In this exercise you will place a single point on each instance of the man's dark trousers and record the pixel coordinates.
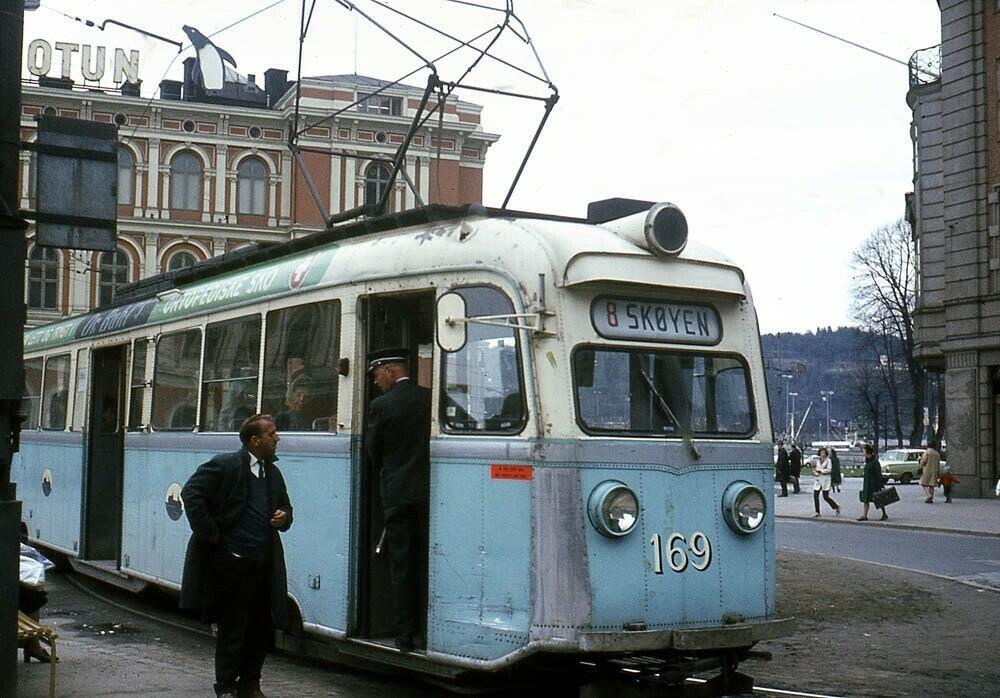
(405, 538)
(245, 632)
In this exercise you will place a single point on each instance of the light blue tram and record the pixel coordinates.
(601, 456)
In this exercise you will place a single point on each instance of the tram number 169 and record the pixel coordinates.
(681, 552)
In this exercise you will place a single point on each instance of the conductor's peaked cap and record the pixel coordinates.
(395, 355)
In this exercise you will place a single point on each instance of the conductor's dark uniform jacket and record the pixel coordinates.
(215, 498)
(399, 442)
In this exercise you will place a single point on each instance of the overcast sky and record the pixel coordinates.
(783, 147)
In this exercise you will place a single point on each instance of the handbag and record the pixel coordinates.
(885, 497)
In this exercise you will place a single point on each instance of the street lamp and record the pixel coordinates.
(826, 395)
(786, 377)
(791, 419)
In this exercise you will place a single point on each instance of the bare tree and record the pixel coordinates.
(884, 294)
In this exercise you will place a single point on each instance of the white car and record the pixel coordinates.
(902, 464)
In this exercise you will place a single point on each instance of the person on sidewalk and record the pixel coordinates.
(931, 464)
(947, 481)
(795, 461)
(234, 569)
(835, 477)
(821, 469)
(782, 469)
(872, 482)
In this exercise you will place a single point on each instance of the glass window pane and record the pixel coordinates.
(660, 393)
(32, 399)
(126, 175)
(43, 276)
(175, 380)
(80, 401)
(229, 380)
(300, 367)
(482, 381)
(181, 260)
(185, 182)
(56, 397)
(137, 388)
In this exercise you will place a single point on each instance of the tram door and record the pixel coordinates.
(390, 321)
(105, 456)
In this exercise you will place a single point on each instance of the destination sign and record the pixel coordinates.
(649, 321)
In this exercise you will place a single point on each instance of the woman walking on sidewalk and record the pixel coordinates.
(821, 469)
(872, 482)
(931, 464)
(835, 477)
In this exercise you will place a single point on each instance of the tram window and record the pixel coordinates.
(80, 402)
(300, 367)
(56, 396)
(32, 392)
(660, 393)
(175, 380)
(483, 391)
(229, 381)
(137, 386)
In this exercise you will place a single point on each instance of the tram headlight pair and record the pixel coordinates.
(744, 507)
(613, 508)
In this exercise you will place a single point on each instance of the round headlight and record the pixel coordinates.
(666, 230)
(744, 507)
(613, 508)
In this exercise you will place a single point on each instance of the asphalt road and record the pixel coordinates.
(966, 558)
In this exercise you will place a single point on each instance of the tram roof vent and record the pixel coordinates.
(611, 209)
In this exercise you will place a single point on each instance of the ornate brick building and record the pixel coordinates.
(200, 175)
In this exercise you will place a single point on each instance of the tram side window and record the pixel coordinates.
(300, 367)
(137, 386)
(80, 402)
(56, 396)
(175, 380)
(229, 381)
(483, 390)
(32, 392)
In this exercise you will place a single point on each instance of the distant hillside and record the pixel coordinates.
(827, 359)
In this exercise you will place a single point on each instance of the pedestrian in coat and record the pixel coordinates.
(795, 460)
(234, 569)
(821, 469)
(835, 477)
(930, 461)
(398, 445)
(782, 469)
(872, 482)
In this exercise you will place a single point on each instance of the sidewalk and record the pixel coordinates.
(974, 516)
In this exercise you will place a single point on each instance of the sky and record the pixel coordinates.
(783, 147)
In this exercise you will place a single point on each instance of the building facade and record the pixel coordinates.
(954, 213)
(200, 175)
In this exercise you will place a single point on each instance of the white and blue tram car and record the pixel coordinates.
(601, 457)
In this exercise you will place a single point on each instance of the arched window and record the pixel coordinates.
(43, 278)
(376, 182)
(251, 183)
(181, 260)
(185, 182)
(112, 272)
(126, 175)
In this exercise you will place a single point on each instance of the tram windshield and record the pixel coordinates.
(632, 392)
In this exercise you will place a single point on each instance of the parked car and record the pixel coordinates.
(902, 464)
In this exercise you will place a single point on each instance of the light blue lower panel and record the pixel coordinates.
(480, 561)
(49, 475)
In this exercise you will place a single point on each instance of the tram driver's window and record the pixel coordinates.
(483, 391)
(137, 385)
(56, 397)
(229, 381)
(32, 399)
(300, 367)
(175, 381)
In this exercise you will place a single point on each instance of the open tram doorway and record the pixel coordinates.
(398, 320)
(103, 471)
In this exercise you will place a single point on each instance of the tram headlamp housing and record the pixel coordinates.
(613, 509)
(744, 507)
(666, 230)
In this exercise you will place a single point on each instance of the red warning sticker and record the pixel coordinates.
(511, 472)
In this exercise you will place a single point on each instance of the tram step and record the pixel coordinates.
(107, 572)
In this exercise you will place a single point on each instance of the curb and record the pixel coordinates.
(890, 524)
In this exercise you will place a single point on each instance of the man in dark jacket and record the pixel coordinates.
(234, 570)
(795, 461)
(782, 469)
(398, 443)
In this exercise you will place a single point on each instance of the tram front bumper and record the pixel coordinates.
(687, 639)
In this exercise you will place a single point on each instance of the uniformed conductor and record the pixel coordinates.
(398, 443)
(234, 570)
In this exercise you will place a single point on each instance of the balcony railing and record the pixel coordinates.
(925, 66)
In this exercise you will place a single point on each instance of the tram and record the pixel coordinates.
(600, 453)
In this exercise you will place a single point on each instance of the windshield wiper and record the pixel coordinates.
(669, 414)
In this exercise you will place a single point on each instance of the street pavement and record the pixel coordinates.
(972, 516)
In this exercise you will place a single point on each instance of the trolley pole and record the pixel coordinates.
(12, 315)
